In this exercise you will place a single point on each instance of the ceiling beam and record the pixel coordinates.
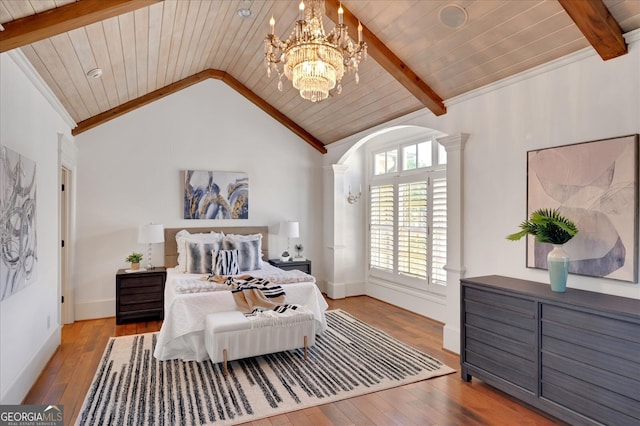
(136, 103)
(598, 26)
(30, 29)
(389, 61)
(133, 104)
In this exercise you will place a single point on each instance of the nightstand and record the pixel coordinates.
(301, 265)
(140, 295)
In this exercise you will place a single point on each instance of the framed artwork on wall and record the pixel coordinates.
(18, 236)
(216, 195)
(595, 184)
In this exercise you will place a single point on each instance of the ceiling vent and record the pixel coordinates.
(95, 73)
(245, 11)
(453, 16)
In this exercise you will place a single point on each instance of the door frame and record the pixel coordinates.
(66, 228)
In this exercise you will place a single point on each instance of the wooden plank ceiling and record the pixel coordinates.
(149, 48)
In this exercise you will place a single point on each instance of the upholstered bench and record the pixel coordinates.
(231, 335)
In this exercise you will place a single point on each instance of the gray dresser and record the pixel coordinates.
(574, 355)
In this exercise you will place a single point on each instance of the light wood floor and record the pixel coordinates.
(443, 400)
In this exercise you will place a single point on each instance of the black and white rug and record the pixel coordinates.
(351, 358)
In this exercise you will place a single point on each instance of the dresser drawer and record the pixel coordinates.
(140, 281)
(499, 336)
(591, 363)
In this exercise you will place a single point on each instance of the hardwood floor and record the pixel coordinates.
(443, 400)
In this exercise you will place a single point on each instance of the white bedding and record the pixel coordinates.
(182, 332)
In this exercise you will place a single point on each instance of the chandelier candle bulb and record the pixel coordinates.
(340, 17)
(359, 32)
(272, 23)
(301, 8)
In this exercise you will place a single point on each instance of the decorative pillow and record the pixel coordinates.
(198, 256)
(249, 250)
(183, 237)
(225, 262)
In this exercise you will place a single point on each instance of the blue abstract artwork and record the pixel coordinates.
(18, 238)
(216, 195)
(595, 184)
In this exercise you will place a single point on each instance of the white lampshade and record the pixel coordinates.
(151, 233)
(291, 229)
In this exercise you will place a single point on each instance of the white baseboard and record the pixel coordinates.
(451, 339)
(342, 290)
(17, 390)
(96, 309)
(426, 304)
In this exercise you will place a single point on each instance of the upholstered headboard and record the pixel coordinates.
(171, 248)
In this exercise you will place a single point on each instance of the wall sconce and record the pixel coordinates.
(353, 198)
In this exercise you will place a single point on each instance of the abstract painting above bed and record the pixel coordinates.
(216, 195)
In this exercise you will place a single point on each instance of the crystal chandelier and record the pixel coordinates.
(315, 62)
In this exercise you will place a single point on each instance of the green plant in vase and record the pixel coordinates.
(549, 226)
(135, 259)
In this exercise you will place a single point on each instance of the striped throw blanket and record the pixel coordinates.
(250, 293)
(281, 315)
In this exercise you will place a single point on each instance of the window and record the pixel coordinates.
(412, 229)
(416, 156)
(408, 216)
(382, 220)
(386, 162)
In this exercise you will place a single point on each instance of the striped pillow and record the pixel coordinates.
(226, 262)
(198, 257)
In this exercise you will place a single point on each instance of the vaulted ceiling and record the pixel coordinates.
(150, 48)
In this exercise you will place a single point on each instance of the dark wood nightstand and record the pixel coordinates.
(301, 265)
(140, 295)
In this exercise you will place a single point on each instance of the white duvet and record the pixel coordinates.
(182, 332)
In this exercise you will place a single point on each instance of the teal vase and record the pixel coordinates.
(558, 265)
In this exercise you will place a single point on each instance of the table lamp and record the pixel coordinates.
(151, 233)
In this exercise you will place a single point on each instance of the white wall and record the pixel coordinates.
(29, 319)
(129, 173)
(586, 100)
(577, 99)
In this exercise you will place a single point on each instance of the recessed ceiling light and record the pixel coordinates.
(95, 73)
(245, 12)
(453, 16)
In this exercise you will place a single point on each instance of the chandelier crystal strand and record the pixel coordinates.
(312, 60)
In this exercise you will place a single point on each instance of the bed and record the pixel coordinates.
(188, 299)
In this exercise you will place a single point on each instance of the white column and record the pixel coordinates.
(336, 286)
(454, 146)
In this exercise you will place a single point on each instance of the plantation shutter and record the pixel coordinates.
(412, 229)
(382, 233)
(439, 231)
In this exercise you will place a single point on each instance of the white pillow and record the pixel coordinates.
(183, 237)
(249, 250)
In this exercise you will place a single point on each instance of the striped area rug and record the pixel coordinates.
(351, 358)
